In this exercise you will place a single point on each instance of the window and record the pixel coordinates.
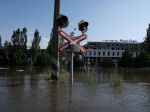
(103, 53)
(99, 53)
(108, 53)
(94, 53)
(113, 44)
(113, 53)
(122, 48)
(90, 53)
(137, 53)
(117, 53)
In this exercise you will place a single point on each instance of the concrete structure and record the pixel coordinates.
(114, 49)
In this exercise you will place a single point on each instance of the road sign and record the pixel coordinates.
(72, 41)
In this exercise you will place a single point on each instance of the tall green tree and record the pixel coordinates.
(5, 52)
(19, 38)
(35, 48)
(146, 43)
(2, 54)
(19, 46)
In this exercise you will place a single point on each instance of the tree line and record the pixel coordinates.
(17, 53)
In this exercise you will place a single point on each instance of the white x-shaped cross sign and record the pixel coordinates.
(72, 41)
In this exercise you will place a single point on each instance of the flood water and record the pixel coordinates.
(29, 90)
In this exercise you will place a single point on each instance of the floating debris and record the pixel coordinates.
(20, 70)
(1, 68)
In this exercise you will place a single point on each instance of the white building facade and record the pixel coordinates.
(96, 51)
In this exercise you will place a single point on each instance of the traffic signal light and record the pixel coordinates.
(83, 26)
(62, 21)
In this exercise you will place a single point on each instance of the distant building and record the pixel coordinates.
(96, 51)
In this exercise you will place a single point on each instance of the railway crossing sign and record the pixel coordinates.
(72, 41)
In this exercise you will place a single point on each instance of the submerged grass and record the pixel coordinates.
(116, 80)
(48, 73)
(116, 83)
(63, 75)
(88, 76)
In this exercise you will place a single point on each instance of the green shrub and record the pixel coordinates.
(107, 62)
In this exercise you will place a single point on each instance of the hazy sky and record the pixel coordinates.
(108, 19)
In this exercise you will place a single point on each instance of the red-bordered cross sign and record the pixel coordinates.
(72, 41)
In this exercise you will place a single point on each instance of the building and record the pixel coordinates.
(97, 51)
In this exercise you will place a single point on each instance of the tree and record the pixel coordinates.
(3, 60)
(142, 60)
(19, 47)
(42, 58)
(24, 37)
(127, 59)
(7, 51)
(146, 43)
(78, 62)
(19, 38)
(107, 62)
(49, 47)
(63, 55)
(35, 48)
(0, 43)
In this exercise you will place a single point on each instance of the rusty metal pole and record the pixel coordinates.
(55, 43)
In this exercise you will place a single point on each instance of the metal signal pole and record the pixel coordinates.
(55, 42)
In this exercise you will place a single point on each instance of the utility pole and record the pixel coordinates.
(55, 43)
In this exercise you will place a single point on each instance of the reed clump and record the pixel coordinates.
(116, 80)
(63, 75)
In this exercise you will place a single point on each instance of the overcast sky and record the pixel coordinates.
(108, 19)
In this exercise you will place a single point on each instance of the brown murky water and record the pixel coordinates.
(27, 90)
